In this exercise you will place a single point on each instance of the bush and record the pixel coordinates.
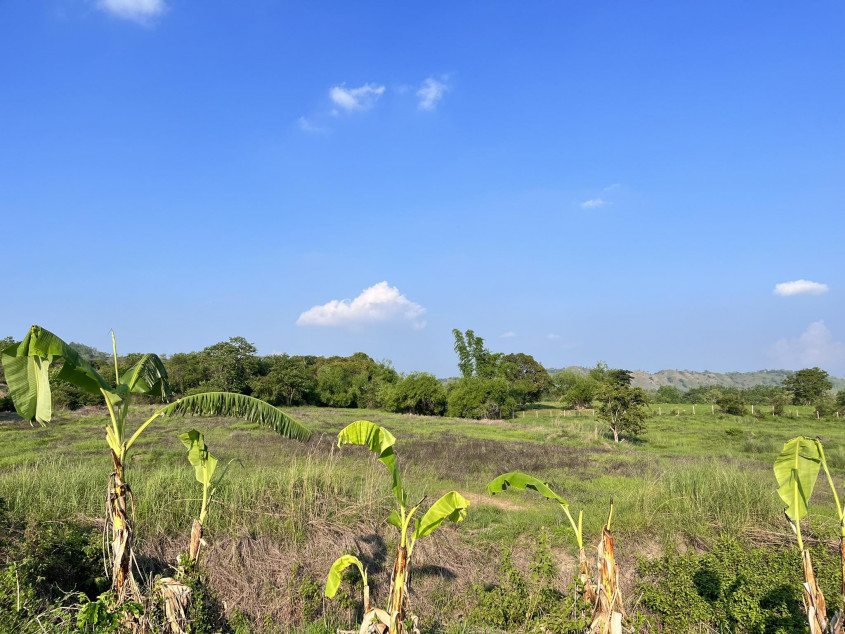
(476, 397)
(519, 602)
(733, 588)
(418, 393)
(732, 403)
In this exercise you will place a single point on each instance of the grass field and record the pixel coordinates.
(686, 483)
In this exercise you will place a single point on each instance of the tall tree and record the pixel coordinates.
(807, 385)
(529, 378)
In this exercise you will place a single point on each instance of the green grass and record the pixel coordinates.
(688, 481)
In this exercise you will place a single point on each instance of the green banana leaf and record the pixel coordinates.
(797, 466)
(238, 405)
(342, 563)
(452, 506)
(379, 441)
(26, 365)
(203, 461)
(523, 481)
(148, 376)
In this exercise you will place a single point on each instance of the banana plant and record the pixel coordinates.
(333, 580)
(452, 506)
(26, 365)
(797, 469)
(604, 593)
(204, 463)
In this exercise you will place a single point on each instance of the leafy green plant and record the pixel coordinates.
(735, 587)
(26, 365)
(452, 506)
(603, 593)
(797, 469)
(204, 464)
(105, 614)
(335, 574)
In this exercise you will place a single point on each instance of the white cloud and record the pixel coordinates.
(306, 126)
(378, 304)
(800, 287)
(362, 98)
(610, 188)
(593, 203)
(431, 93)
(551, 335)
(138, 10)
(508, 334)
(815, 347)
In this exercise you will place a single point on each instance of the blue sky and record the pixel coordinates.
(625, 181)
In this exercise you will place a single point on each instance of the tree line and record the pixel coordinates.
(490, 385)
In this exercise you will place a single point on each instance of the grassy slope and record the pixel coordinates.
(688, 479)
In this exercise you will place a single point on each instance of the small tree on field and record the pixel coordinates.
(624, 408)
(807, 385)
(667, 394)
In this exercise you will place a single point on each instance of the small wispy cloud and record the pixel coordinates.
(362, 98)
(431, 93)
(815, 347)
(551, 335)
(800, 287)
(610, 188)
(141, 11)
(380, 303)
(593, 203)
(508, 334)
(306, 125)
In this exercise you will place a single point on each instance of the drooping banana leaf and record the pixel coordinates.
(240, 406)
(341, 564)
(26, 365)
(797, 469)
(379, 441)
(452, 506)
(199, 456)
(148, 376)
(523, 481)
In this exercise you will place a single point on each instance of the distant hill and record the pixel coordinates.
(87, 352)
(687, 379)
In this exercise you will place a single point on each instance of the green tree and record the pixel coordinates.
(230, 365)
(528, 378)
(807, 385)
(623, 408)
(187, 371)
(478, 397)
(288, 380)
(581, 391)
(667, 394)
(418, 393)
(731, 402)
(473, 358)
(618, 376)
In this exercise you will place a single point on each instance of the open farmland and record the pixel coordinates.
(687, 485)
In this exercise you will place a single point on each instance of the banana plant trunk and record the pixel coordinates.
(588, 590)
(609, 610)
(196, 540)
(814, 601)
(398, 589)
(122, 580)
(842, 559)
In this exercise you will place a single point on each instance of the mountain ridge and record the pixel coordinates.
(688, 379)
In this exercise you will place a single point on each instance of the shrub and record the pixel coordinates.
(732, 588)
